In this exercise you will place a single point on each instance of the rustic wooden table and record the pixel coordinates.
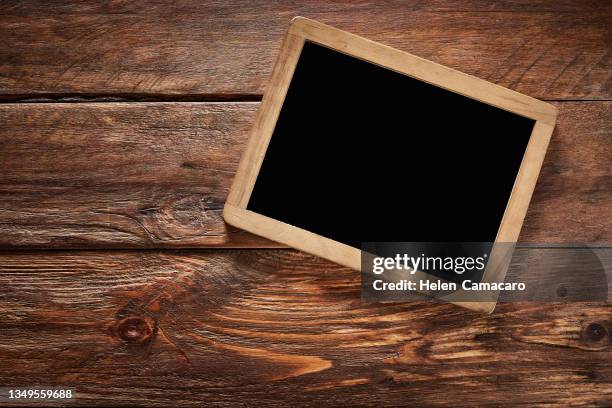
(121, 125)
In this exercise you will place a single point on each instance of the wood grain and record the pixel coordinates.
(135, 175)
(196, 50)
(572, 201)
(280, 327)
(269, 327)
(119, 175)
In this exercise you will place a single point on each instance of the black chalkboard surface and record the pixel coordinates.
(358, 143)
(362, 153)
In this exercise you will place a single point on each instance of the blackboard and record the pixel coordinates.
(356, 142)
(361, 153)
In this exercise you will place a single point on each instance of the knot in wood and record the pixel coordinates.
(134, 329)
(595, 332)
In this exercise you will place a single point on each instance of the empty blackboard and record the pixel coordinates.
(357, 142)
(361, 153)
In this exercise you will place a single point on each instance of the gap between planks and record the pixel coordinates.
(167, 98)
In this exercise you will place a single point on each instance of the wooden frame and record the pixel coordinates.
(235, 211)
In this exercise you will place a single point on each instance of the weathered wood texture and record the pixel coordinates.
(120, 175)
(280, 327)
(572, 201)
(268, 327)
(192, 49)
(157, 175)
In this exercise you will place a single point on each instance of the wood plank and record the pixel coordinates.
(194, 50)
(120, 175)
(278, 326)
(572, 201)
(143, 175)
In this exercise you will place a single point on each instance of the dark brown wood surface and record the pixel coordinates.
(279, 327)
(136, 175)
(157, 101)
(193, 49)
(120, 174)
